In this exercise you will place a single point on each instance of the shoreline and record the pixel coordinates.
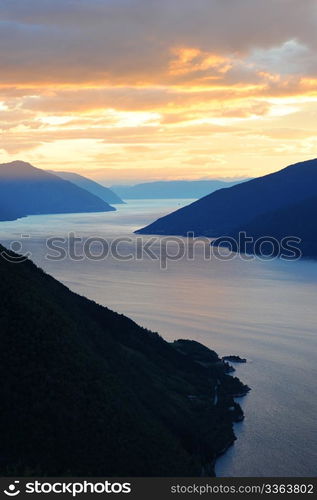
(224, 411)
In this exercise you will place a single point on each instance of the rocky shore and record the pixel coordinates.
(220, 406)
(234, 359)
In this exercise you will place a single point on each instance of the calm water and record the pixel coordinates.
(265, 311)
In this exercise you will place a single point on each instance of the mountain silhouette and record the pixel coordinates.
(26, 190)
(93, 187)
(297, 220)
(87, 392)
(171, 189)
(233, 209)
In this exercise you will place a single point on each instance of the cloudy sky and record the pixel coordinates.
(130, 90)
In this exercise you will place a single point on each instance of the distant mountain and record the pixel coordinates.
(93, 187)
(228, 210)
(171, 189)
(87, 392)
(26, 190)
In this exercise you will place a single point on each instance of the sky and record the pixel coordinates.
(125, 91)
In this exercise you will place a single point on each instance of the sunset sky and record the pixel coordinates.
(134, 90)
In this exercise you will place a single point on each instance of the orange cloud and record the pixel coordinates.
(126, 86)
(188, 60)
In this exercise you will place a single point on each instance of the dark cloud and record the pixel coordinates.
(131, 41)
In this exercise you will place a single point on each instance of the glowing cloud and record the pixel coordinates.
(137, 90)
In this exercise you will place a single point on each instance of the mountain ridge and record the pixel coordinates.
(230, 210)
(105, 193)
(171, 189)
(27, 190)
(88, 392)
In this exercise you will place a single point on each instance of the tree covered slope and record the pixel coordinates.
(86, 391)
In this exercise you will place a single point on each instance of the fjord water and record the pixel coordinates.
(265, 311)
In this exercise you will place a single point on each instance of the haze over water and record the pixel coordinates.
(264, 311)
